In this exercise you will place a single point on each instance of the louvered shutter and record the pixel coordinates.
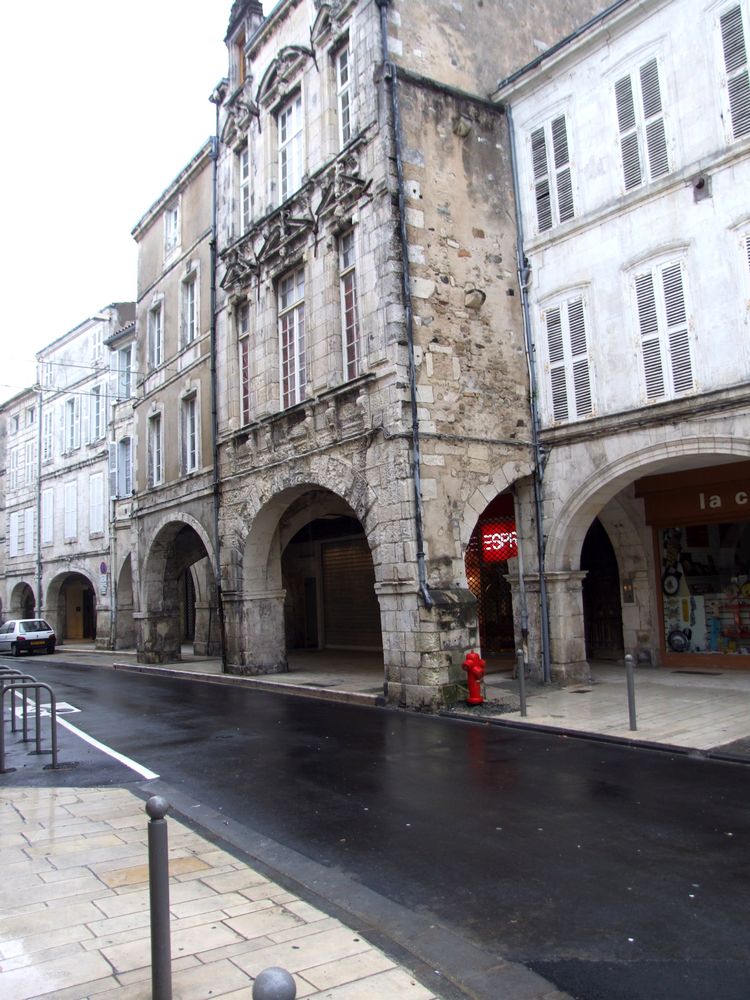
(648, 321)
(77, 422)
(631, 157)
(557, 373)
(579, 358)
(653, 116)
(28, 531)
(112, 468)
(677, 328)
(13, 534)
(541, 180)
(71, 511)
(736, 66)
(47, 517)
(563, 180)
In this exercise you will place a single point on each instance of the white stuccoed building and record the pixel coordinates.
(632, 150)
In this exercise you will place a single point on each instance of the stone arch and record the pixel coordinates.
(22, 601)
(125, 633)
(179, 546)
(587, 499)
(70, 604)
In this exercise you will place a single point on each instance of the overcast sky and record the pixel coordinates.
(102, 105)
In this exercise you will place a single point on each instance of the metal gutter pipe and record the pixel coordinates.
(523, 281)
(39, 605)
(214, 406)
(390, 72)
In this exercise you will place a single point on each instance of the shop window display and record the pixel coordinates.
(705, 582)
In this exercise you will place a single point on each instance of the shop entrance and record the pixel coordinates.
(602, 610)
(491, 544)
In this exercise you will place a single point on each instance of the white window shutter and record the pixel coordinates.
(557, 374)
(653, 115)
(676, 315)
(631, 158)
(71, 511)
(563, 179)
(29, 541)
(653, 368)
(579, 358)
(541, 180)
(77, 422)
(13, 534)
(47, 517)
(736, 66)
(112, 467)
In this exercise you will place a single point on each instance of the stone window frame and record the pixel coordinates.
(293, 385)
(190, 426)
(351, 327)
(155, 448)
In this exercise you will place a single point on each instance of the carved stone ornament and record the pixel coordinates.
(239, 268)
(281, 73)
(239, 113)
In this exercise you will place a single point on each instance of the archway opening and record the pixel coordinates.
(22, 602)
(491, 547)
(602, 608)
(76, 609)
(329, 579)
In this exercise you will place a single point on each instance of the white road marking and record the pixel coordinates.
(132, 764)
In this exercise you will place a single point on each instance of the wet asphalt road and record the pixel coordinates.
(616, 873)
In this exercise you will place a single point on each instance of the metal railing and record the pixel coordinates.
(15, 682)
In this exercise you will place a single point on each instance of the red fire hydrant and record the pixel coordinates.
(474, 666)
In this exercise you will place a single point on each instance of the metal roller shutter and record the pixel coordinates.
(350, 607)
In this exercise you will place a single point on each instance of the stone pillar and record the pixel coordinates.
(566, 626)
(424, 647)
(255, 636)
(207, 641)
(103, 638)
(534, 638)
(640, 633)
(159, 638)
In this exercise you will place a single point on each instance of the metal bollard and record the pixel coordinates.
(630, 677)
(274, 984)
(521, 671)
(158, 885)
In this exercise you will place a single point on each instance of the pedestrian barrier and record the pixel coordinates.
(14, 682)
(271, 984)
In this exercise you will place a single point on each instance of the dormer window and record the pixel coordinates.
(240, 69)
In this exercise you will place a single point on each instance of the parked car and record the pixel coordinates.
(19, 635)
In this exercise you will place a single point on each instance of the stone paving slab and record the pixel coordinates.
(85, 931)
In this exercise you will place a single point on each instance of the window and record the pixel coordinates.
(96, 413)
(124, 372)
(189, 433)
(155, 457)
(663, 322)
(155, 337)
(291, 149)
(737, 73)
(30, 415)
(29, 546)
(70, 522)
(97, 336)
(13, 424)
(48, 424)
(30, 460)
(189, 309)
(553, 186)
(640, 117)
(344, 95)
(46, 375)
(292, 338)
(239, 59)
(48, 522)
(243, 334)
(14, 477)
(171, 229)
(244, 172)
(96, 503)
(568, 361)
(72, 424)
(13, 528)
(124, 468)
(349, 311)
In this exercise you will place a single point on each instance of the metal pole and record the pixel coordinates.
(630, 675)
(3, 768)
(158, 884)
(521, 671)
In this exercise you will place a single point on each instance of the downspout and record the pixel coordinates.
(214, 406)
(524, 274)
(39, 605)
(389, 71)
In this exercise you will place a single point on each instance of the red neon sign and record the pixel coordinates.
(499, 541)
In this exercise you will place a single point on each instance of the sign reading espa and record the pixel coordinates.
(499, 541)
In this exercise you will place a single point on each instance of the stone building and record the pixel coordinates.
(172, 575)
(59, 562)
(632, 139)
(372, 398)
(20, 489)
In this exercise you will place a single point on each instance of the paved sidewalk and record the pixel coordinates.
(74, 912)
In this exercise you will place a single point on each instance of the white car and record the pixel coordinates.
(28, 635)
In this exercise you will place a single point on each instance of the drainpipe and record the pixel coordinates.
(39, 605)
(524, 275)
(214, 410)
(390, 74)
